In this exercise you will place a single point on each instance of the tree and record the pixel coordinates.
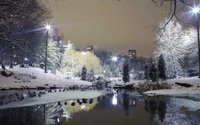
(153, 71)
(53, 56)
(138, 64)
(73, 60)
(19, 21)
(104, 56)
(176, 8)
(90, 76)
(161, 68)
(107, 71)
(190, 40)
(84, 73)
(146, 72)
(169, 45)
(19, 24)
(126, 76)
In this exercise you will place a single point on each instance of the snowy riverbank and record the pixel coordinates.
(194, 90)
(55, 97)
(23, 77)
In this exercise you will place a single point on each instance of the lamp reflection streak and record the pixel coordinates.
(114, 100)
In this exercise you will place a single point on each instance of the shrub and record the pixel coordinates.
(143, 87)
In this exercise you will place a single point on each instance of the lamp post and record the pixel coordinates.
(48, 28)
(114, 58)
(196, 10)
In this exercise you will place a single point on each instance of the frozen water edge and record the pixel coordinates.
(55, 97)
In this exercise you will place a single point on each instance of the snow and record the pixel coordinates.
(179, 90)
(190, 80)
(172, 92)
(55, 97)
(26, 74)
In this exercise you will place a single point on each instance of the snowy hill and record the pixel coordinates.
(33, 77)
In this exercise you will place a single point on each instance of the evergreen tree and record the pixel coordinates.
(53, 56)
(84, 73)
(161, 68)
(90, 76)
(146, 72)
(152, 71)
(126, 72)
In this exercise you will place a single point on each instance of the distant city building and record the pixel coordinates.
(89, 49)
(78, 50)
(132, 54)
(122, 54)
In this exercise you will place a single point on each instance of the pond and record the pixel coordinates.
(125, 107)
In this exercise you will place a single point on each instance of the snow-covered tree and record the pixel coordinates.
(73, 60)
(54, 55)
(146, 72)
(190, 40)
(90, 76)
(170, 45)
(161, 68)
(126, 76)
(84, 73)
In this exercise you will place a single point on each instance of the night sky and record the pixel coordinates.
(108, 24)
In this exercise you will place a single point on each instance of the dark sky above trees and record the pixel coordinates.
(109, 24)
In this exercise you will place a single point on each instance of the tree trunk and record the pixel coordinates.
(2, 65)
(11, 62)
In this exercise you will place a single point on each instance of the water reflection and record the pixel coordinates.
(156, 105)
(126, 102)
(173, 110)
(123, 107)
(114, 99)
(21, 116)
(55, 112)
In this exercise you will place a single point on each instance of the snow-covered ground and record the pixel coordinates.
(179, 90)
(176, 89)
(191, 80)
(23, 77)
(55, 97)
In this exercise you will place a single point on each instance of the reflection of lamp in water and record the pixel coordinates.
(83, 106)
(67, 115)
(132, 103)
(114, 100)
(58, 119)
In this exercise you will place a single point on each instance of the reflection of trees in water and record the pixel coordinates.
(22, 116)
(126, 101)
(52, 112)
(35, 115)
(48, 114)
(156, 106)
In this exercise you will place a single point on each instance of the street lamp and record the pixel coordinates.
(48, 28)
(83, 53)
(196, 11)
(114, 58)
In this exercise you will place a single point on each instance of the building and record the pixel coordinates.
(78, 50)
(132, 54)
(89, 48)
